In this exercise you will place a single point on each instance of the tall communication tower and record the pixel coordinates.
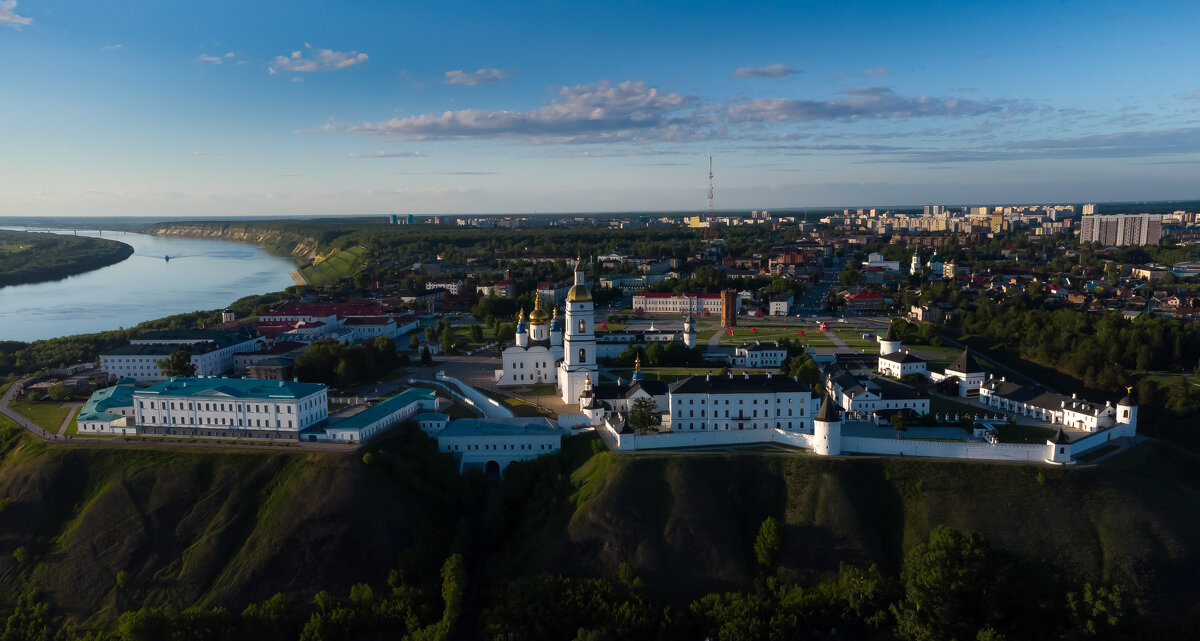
(710, 189)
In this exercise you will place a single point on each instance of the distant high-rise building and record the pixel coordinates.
(1119, 230)
(997, 222)
(395, 219)
(935, 210)
(1089, 209)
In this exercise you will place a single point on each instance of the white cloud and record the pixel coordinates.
(769, 71)
(319, 60)
(297, 79)
(229, 54)
(478, 77)
(861, 102)
(207, 58)
(876, 72)
(206, 153)
(1195, 96)
(9, 17)
(385, 154)
(116, 47)
(628, 112)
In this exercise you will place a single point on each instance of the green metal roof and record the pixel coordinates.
(251, 388)
(96, 408)
(380, 410)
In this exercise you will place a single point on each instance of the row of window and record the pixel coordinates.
(514, 447)
(219, 407)
(517, 365)
(717, 401)
(766, 425)
(716, 413)
(220, 420)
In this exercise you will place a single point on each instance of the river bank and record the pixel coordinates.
(297, 246)
(166, 275)
(39, 257)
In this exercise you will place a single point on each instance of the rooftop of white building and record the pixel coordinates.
(97, 406)
(244, 388)
(379, 410)
(519, 426)
(737, 384)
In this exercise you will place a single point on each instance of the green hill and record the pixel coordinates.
(207, 528)
(687, 522)
(227, 528)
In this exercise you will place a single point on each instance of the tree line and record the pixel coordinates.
(951, 586)
(38, 257)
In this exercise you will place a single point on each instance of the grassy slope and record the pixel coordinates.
(227, 528)
(335, 267)
(687, 523)
(197, 527)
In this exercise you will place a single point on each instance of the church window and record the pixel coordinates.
(582, 326)
(582, 354)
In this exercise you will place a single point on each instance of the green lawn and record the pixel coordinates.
(334, 268)
(49, 416)
(73, 428)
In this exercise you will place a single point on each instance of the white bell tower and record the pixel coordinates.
(579, 340)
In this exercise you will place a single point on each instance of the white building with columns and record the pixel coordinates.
(216, 406)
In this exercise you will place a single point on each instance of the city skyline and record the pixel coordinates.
(319, 109)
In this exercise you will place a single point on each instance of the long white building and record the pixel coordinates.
(667, 303)
(211, 352)
(216, 406)
(740, 402)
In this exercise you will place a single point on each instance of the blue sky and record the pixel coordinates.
(223, 108)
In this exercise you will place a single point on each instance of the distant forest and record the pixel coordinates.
(32, 257)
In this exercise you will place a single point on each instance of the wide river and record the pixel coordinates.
(202, 274)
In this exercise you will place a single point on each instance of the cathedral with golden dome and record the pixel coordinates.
(548, 350)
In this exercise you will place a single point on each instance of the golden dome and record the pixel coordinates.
(538, 316)
(578, 294)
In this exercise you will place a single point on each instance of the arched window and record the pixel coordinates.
(582, 354)
(582, 326)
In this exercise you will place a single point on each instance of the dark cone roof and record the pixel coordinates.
(965, 363)
(830, 412)
(1061, 438)
(1128, 400)
(891, 333)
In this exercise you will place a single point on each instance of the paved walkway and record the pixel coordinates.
(71, 409)
(832, 335)
(17, 418)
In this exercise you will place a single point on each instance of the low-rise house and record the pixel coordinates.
(758, 354)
